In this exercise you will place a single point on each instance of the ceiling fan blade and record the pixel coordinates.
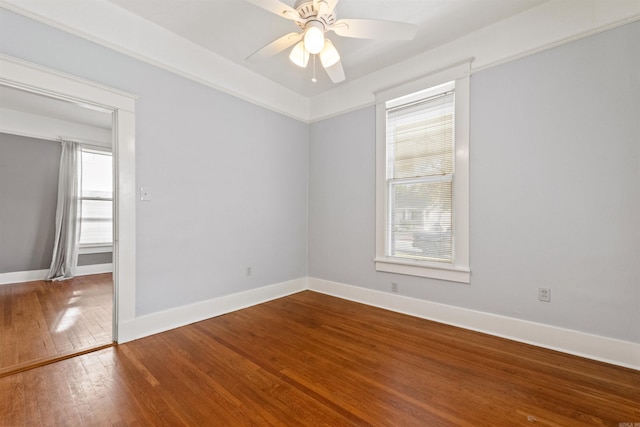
(275, 47)
(278, 8)
(374, 29)
(325, 7)
(336, 72)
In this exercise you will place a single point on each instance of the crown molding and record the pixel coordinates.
(546, 26)
(107, 24)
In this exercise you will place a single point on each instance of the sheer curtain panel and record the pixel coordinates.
(65, 249)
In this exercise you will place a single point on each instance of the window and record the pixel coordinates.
(422, 212)
(96, 224)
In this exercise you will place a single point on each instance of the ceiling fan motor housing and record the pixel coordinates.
(308, 13)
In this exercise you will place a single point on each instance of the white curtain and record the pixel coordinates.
(65, 248)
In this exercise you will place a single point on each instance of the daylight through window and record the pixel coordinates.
(420, 171)
(422, 176)
(96, 227)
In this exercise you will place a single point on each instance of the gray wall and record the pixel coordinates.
(228, 179)
(555, 191)
(97, 258)
(28, 192)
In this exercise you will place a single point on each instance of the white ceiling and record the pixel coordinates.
(233, 29)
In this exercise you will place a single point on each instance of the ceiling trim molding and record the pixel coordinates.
(546, 26)
(143, 40)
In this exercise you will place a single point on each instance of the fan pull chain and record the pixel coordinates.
(313, 79)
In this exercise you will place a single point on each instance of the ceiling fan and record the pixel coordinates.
(315, 18)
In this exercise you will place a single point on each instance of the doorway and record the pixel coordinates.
(36, 80)
(41, 320)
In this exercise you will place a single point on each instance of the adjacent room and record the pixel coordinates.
(56, 288)
(320, 212)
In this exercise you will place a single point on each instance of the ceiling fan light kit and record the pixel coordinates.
(329, 55)
(315, 18)
(299, 55)
(314, 37)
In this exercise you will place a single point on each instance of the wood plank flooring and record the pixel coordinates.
(42, 321)
(311, 359)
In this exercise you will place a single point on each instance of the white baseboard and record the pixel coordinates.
(85, 270)
(22, 276)
(170, 319)
(617, 352)
(609, 350)
(30, 276)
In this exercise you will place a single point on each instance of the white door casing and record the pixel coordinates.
(34, 78)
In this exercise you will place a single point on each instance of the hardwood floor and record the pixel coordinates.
(311, 359)
(42, 321)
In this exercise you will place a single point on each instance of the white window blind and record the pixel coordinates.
(420, 174)
(96, 224)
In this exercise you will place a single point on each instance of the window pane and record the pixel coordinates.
(97, 222)
(420, 167)
(97, 175)
(420, 220)
(420, 138)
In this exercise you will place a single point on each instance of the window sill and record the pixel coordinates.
(95, 249)
(423, 269)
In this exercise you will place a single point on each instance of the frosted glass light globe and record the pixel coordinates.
(314, 37)
(329, 55)
(299, 55)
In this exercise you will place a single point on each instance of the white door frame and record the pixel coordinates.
(35, 78)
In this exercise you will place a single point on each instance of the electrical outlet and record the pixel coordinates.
(248, 272)
(394, 287)
(544, 294)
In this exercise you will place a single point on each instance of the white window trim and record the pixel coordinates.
(459, 270)
(97, 247)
